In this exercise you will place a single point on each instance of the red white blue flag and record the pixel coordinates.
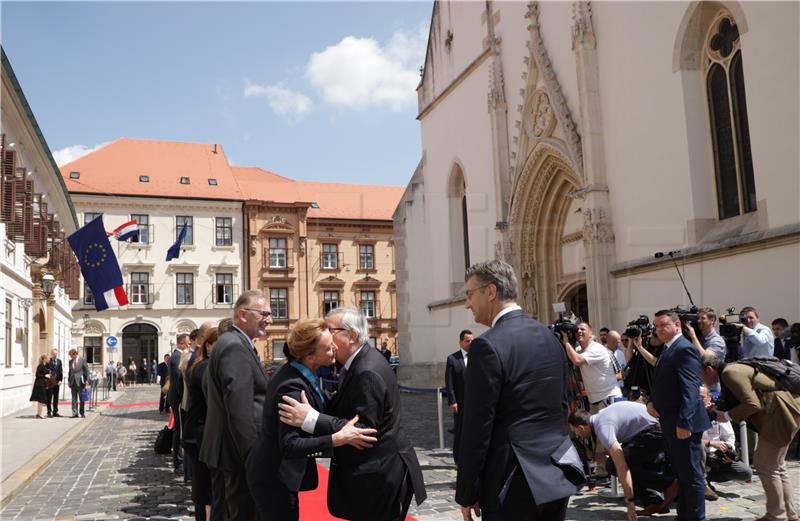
(129, 230)
(98, 265)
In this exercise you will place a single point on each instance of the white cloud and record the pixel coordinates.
(283, 101)
(68, 154)
(357, 73)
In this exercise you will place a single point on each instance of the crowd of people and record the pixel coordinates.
(654, 406)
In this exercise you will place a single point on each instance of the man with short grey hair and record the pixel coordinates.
(364, 485)
(516, 458)
(237, 387)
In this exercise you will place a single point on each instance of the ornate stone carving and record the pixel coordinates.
(497, 97)
(93, 330)
(553, 88)
(302, 249)
(541, 119)
(530, 301)
(582, 29)
(279, 219)
(597, 226)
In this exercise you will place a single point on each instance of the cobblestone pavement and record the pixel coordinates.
(111, 472)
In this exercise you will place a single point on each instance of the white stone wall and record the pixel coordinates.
(203, 259)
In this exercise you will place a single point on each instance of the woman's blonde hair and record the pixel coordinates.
(303, 338)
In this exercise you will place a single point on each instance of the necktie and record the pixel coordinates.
(342, 374)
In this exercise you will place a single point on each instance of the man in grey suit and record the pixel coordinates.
(516, 458)
(78, 378)
(236, 389)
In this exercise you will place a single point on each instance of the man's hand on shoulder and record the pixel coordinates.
(293, 412)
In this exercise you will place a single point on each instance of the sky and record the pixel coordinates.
(319, 91)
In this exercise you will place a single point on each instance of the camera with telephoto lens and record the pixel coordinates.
(730, 324)
(688, 315)
(568, 326)
(639, 327)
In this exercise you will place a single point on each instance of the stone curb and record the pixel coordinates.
(16, 482)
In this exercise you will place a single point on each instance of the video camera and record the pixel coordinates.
(639, 327)
(688, 315)
(569, 326)
(730, 324)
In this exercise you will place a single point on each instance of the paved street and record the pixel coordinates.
(111, 472)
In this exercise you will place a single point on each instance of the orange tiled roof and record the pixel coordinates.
(115, 169)
(335, 200)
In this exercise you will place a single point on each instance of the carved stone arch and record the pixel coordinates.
(147, 322)
(94, 328)
(457, 180)
(687, 52)
(538, 214)
(185, 326)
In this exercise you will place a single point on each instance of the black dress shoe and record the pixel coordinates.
(49, 415)
(56, 415)
(83, 416)
(74, 416)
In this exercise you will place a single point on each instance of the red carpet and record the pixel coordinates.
(314, 503)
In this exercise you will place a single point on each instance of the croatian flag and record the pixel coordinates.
(99, 265)
(129, 230)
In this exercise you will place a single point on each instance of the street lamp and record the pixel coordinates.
(48, 284)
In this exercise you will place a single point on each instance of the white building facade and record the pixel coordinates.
(591, 136)
(165, 298)
(36, 216)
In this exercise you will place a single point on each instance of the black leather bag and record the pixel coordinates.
(163, 444)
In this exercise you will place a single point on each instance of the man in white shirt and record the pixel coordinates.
(599, 378)
(757, 339)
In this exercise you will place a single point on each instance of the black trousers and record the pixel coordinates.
(219, 509)
(686, 459)
(456, 435)
(237, 496)
(404, 496)
(52, 399)
(520, 506)
(163, 406)
(277, 502)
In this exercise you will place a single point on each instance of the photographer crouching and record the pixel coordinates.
(773, 411)
(599, 378)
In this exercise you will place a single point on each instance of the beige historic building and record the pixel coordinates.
(578, 139)
(38, 274)
(315, 246)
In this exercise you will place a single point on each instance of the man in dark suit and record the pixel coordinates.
(78, 378)
(374, 484)
(163, 374)
(454, 381)
(676, 402)
(56, 368)
(517, 461)
(175, 395)
(236, 386)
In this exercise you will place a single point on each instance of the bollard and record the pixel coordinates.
(441, 418)
(743, 441)
(614, 493)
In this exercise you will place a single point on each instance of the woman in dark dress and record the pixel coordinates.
(282, 461)
(39, 393)
(193, 430)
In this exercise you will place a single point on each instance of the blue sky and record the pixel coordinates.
(318, 91)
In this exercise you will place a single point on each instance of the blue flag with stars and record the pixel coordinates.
(98, 264)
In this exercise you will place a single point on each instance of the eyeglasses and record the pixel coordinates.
(470, 292)
(264, 314)
(335, 329)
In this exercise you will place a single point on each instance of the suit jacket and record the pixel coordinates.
(54, 366)
(773, 413)
(282, 453)
(364, 484)
(454, 378)
(163, 372)
(515, 416)
(236, 387)
(79, 374)
(676, 389)
(196, 409)
(175, 394)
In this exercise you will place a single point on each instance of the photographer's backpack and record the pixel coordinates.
(785, 373)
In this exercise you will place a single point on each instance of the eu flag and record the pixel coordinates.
(98, 264)
(174, 251)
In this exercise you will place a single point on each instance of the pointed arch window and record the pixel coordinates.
(727, 109)
(459, 226)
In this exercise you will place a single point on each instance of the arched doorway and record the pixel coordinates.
(139, 341)
(577, 302)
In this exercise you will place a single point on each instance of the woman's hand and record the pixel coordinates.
(360, 438)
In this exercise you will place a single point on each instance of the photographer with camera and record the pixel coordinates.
(757, 339)
(599, 378)
(641, 360)
(712, 342)
(719, 445)
(773, 412)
